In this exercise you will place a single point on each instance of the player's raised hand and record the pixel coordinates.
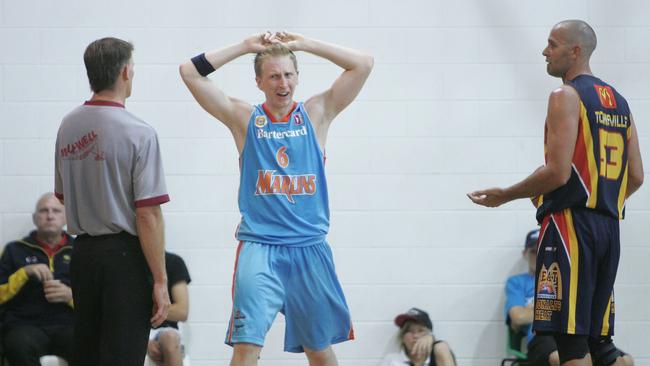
(291, 40)
(491, 197)
(259, 42)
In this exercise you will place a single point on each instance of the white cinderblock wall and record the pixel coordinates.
(456, 102)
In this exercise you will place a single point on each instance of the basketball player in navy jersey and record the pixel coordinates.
(284, 263)
(593, 164)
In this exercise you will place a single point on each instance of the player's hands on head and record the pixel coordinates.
(39, 271)
(259, 42)
(291, 40)
(491, 197)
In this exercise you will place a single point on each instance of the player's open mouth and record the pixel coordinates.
(283, 94)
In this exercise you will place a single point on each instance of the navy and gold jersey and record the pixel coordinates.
(599, 165)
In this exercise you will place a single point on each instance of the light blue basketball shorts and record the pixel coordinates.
(299, 282)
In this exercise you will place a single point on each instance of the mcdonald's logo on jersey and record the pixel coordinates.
(606, 96)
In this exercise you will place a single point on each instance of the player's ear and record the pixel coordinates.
(258, 80)
(577, 51)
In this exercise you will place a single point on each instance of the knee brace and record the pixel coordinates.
(603, 351)
(571, 346)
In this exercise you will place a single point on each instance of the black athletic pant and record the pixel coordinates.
(25, 344)
(111, 285)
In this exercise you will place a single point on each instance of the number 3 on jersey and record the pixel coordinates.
(282, 157)
(611, 153)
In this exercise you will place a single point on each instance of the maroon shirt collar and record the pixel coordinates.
(105, 103)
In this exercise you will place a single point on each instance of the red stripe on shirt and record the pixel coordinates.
(152, 201)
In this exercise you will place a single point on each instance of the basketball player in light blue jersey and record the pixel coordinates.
(283, 263)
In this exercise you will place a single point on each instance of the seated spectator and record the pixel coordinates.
(419, 347)
(35, 289)
(519, 310)
(165, 345)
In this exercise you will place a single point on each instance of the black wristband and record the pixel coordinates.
(202, 65)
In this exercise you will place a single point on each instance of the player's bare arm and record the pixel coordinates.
(561, 134)
(323, 107)
(232, 112)
(635, 165)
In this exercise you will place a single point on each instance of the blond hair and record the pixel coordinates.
(276, 50)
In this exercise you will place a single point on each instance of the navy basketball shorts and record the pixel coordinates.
(299, 282)
(577, 259)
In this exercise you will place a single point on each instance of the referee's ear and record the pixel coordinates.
(127, 71)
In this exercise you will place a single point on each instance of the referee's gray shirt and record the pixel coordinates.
(107, 163)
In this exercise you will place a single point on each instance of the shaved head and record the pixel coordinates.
(43, 198)
(578, 32)
(49, 217)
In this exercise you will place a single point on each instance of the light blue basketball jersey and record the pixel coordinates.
(282, 191)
